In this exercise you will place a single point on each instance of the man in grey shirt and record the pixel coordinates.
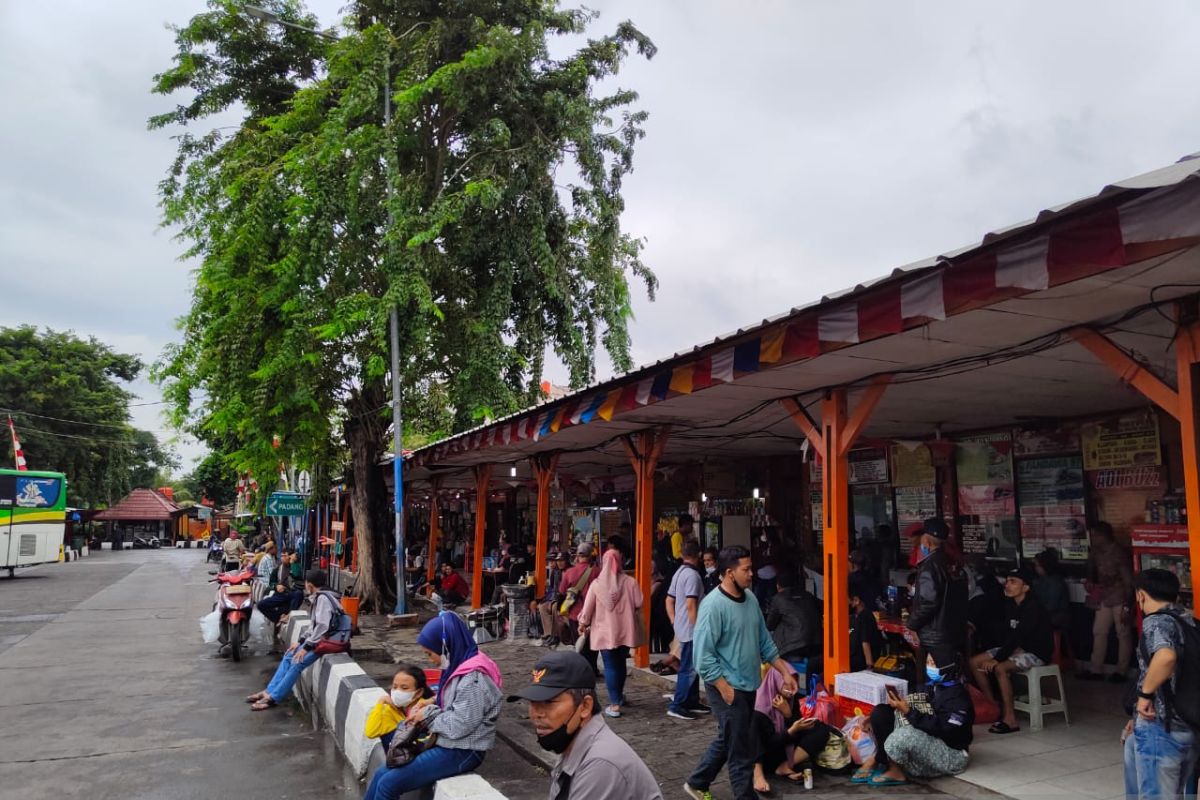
(594, 763)
(683, 604)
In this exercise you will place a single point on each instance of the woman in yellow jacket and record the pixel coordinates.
(409, 692)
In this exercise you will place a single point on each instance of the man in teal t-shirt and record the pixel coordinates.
(731, 644)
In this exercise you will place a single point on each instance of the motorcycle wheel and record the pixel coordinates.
(235, 643)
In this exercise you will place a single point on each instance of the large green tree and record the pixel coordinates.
(71, 411)
(487, 210)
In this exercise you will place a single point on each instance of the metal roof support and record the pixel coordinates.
(483, 479)
(837, 434)
(435, 530)
(644, 449)
(544, 468)
(1182, 403)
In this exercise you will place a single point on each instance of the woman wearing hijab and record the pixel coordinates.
(610, 618)
(464, 716)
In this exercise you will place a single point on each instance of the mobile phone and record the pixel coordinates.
(892, 692)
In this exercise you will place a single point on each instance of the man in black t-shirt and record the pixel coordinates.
(1029, 642)
(866, 641)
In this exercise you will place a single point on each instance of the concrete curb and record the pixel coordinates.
(340, 695)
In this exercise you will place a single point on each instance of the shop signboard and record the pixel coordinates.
(868, 465)
(985, 459)
(912, 465)
(1046, 441)
(988, 520)
(1131, 440)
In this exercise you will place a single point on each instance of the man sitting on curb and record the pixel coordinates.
(1029, 643)
(594, 763)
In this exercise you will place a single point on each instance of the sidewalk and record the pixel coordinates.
(670, 747)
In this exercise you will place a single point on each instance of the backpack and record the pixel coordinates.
(338, 637)
(1182, 692)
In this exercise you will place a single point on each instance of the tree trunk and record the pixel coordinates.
(371, 509)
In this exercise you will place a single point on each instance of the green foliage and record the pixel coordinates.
(72, 414)
(214, 479)
(487, 211)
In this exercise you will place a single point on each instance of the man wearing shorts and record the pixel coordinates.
(1029, 642)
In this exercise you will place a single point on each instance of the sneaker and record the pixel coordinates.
(696, 794)
(668, 696)
(682, 714)
(702, 710)
(613, 712)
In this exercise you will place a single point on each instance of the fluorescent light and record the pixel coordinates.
(755, 492)
(513, 472)
(703, 497)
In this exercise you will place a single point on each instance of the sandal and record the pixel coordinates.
(794, 777)
(263, 705)
(864, 776)
(881, 780)
(613, 712)
(1003, 727)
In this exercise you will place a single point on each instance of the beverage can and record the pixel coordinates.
(808, 779)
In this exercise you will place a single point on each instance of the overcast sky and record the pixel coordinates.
(793, 148)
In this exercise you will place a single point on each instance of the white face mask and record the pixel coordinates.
(710, 570)
(401, 699)
(445, 662)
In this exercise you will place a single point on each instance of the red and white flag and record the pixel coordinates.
(17, 451)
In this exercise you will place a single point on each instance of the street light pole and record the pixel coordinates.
(264, 15)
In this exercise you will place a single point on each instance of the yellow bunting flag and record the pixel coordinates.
(681, 379)
(610, 405)
(771, 349)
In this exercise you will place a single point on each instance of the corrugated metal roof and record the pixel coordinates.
(140, 505)
(1187, 167)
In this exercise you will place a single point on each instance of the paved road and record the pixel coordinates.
(106, 691)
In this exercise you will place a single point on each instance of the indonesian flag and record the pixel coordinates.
(17, 451)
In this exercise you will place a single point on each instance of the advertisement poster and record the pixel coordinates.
(915, 504)
(1051, 493)
(1046, 442)
(817, 511)
(1124, 497)
(988, 520)
(1128, 441)
(868, 466)
(985, 459)
(912, 466)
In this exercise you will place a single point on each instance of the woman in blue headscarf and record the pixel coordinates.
(464, 717)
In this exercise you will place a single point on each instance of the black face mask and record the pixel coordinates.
(559, 739)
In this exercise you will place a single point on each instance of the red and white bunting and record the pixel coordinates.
(643, 391)
(839, 325)
(18, 453)
(722, 366)
(1171, 213)
(923, 297)
(1025, 265)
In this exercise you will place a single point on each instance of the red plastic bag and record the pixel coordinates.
(819, 704)
(986, 711)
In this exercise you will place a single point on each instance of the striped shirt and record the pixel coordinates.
(467, 718)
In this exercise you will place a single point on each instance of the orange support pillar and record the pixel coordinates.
(833, 439)
(644, 450)
(435, 529)
(544, 467)
(483, 477)
(1183, 403)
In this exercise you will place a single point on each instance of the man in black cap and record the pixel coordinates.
(939, 608)
(594, 762)
(1029, 642)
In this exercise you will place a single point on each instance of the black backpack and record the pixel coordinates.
(1182, 693)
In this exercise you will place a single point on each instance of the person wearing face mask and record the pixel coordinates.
(929, 745)
(939, 606)
(593, 762)
(710, 577)
(409, 691)
(463, 718)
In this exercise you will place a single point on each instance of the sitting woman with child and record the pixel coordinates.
(463, 718)
(410, 691)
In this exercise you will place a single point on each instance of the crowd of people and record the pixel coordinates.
(747, 636)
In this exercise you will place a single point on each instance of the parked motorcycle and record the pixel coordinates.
(215, 552)
(146, 543)
(235, 601)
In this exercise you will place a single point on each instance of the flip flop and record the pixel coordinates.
(1003, 727)
(864, 777)
(263, 705)
(794, 777)
(881, 780)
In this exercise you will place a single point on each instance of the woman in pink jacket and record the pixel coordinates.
(610, 617)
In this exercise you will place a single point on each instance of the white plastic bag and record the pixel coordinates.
(210, 627)
(859, 739)
(260, 628)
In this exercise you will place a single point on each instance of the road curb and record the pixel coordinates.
(339, 695)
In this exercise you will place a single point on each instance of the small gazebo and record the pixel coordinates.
(141, 509)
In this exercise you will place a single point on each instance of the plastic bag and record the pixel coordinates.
(986, 712)
(260, 628)
(819, 704)
(210, 627)
(859, 739)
